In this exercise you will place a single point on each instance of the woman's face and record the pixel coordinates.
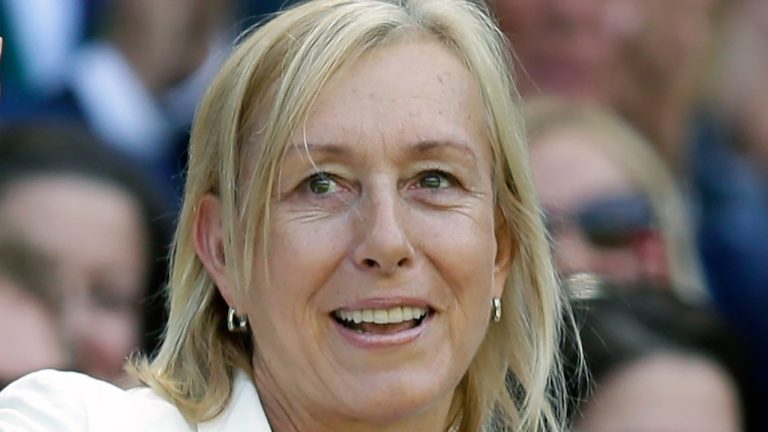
(383, 256)
(94, 235)
(573, 177)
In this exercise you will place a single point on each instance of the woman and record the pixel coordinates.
(91, 215)
(612, 205)
(357, 212)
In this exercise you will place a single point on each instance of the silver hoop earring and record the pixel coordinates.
(496, 313)
(241, 326)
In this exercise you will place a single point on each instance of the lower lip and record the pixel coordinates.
(372, 340)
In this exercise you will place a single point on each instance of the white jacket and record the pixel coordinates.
(68, 402)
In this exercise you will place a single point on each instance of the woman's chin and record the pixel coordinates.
(392, 398)
(392, 376)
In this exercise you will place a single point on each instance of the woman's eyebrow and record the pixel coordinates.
(430, 147)
(305, 152)
(419, 149)
(314, 148)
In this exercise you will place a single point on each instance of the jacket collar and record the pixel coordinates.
(244, 412)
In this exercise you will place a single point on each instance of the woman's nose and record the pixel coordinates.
(384, 245)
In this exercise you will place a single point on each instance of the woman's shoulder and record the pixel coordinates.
(69, 401)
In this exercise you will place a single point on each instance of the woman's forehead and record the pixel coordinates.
(416, 87)
(417, 91)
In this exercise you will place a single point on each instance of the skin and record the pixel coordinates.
(569, 171)
(664, 393)
(662, 52)
(166, 41)
(389, 227)
(642, 57)
(28, 332)
(563, 47)
(745, 77)
(94, 235)
(754, 125)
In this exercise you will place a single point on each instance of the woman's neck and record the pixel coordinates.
(288, 414)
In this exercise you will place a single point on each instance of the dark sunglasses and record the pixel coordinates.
(611, 222)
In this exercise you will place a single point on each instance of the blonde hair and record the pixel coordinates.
(636, 157)
(274, 76)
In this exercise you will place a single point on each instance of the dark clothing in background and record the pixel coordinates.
(731, 208)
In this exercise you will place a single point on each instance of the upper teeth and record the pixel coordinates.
(393, 315)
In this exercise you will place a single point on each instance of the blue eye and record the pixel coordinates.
(435, 180)
(321, 183)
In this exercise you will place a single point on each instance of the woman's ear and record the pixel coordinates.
(208, 238)
(506, 248)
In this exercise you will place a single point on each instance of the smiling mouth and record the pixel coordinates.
(382, 321)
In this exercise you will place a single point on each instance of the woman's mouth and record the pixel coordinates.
(387, 321)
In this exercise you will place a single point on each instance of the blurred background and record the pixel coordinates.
(97, 102)
(647, 123)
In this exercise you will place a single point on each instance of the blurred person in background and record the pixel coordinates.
(136, 86)
(104, 232)
(642, 57)
(656, 365)
(740, 82)
(134, 82)
(648, 59)
(43, 36)
(561, 47)
(740, 97)
(611, 204)
(30, 332)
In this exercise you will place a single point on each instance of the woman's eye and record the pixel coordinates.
(321, 183)
(435, 180)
